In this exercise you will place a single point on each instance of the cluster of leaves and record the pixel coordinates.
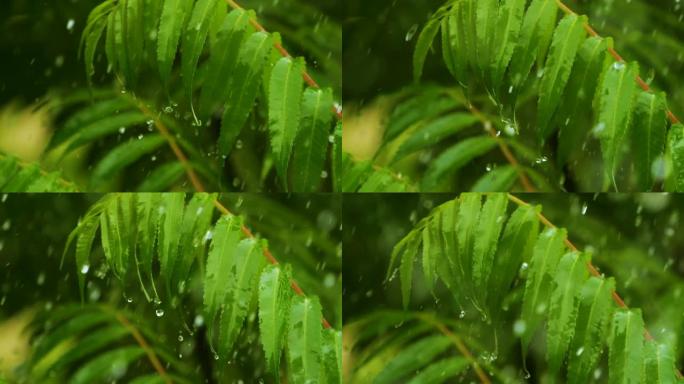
(161, 241)
(494, 46)
(230, 76)
(480, 253)
(18, 177)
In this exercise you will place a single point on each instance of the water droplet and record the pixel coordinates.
(411, 32)
(331, 139)
(122, 130)
(41, 279)
(180, 337)
(519, 327)
(541, 160)
(85, 268)
(6, 225)
(618, 65)
(462, 314)
(70, 25)
(239, 144)
(584, 208)
(523, 267)
(129, 299)
(159, 312)
(199, 321)
(324, 175)
(579, 352)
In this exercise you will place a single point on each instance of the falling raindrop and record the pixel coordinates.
(85, 268)
(159, 312)
(70, 25)
(584, 208)
(411, 32)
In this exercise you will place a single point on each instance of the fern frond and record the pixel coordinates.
(491, 45)
(161, 241)
(225, 60)
(477, 249)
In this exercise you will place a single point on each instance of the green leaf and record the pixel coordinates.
(92, 115)
(486, 239)
(408, 258)
(648, 135)
(675, 155)
(337, 159)
(90, 344)
(506, 35)
(454, 44)
(499, 179)
(516, 247)
(194, 38)
(435, 131)
(247, 263)
(172, 207)
(590, 62)
(431, 253)
(592, 321)
(542, 267)
(626, 344)
(383, 180)
(486, 15)
(149, 225)
(193, 231)
(425, 39)
(425, 106)
(304, 340)
(123, 156)
(172, 24)
(441, 371)
(91, 38)
(244, 88)
(223, 61)
(107, 366)
(70, 328)
(411, 358)
(86, 234)
(274, 308)
(460, 231)
(539, 15)
(564, 305)
(220, 262)
(456, 157)
(110, 125)
(162, 178)
(616, 94)
(659, 363)
(567, 39)
(312, 142)
(332, 356)
(284, 110)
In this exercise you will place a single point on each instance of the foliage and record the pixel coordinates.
(520, 285)
(201, 280)
(493, 50)
(18, 177)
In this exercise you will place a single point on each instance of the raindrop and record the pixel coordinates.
(411, 32)
(238, 144)
(199, 321)
(579, 352)
(541, 160)
(85, 268)
(618, 65)
(70, 24)
(462, 314)
(584, 208)
(519, 327)
(41, 279)
(129, 299)
(324, 175)
(180, 337)
(523, 267)
(159, 312)
(122, 130)
(331, 139)
(6, 225)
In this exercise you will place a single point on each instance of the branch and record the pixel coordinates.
(192, 176)
(592, 269)
(283, 52)
(616, 56)
(154, 360)
(267, 253)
